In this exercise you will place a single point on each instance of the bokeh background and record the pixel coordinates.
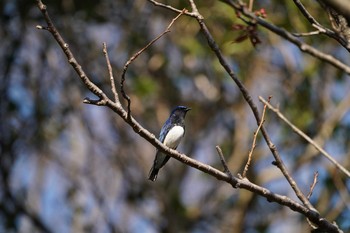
(71, 167)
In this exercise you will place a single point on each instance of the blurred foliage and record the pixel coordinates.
(79, 168)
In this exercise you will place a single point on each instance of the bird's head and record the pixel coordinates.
(180, 112)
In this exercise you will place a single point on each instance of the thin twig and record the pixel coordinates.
(304, 34)
(312, 186)
(307, 138)
(71, 59)
(171, 8)
(122, 81)
(110, 71)
(305, 12)
(250, 155)
(194, 8)
(320, 27)
(223, 161)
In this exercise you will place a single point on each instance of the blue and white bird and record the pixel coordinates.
(171, 134)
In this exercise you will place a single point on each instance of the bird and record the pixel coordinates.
(170, 135)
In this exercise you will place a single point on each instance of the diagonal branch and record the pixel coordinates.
(171, 8)
(307, 138)
(290, 37)
(320, 27)
(65, 48)
(244, 174)
(313, 185)
(223, 162)
(110, 71)
(215, 48)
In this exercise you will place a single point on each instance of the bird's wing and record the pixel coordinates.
(164, 131)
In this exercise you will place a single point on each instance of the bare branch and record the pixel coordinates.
(171, 8)
(244, 174)
(307, 138)
(65, 48)
(223, 161)
(110, 71)
(194, 8)
(290, 37)
(306, 33)
(305, 12)
(167, 30)
(312, 186)
(279, 163)
(320, 27)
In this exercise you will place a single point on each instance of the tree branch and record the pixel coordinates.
(250, 155)
(223, 162)
(110, 72)
(215, 48)
(307, 138)
(320, 27)
(167, 30)
(312, 186)
(289, 36)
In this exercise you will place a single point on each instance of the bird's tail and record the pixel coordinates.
(153, 173)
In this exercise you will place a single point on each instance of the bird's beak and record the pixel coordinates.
(188, 109)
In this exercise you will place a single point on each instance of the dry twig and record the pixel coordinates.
(110, 71)
(312, 186)
(307, 138)
(244, 174)
(304, 34)
(223, 161)
(167, 30)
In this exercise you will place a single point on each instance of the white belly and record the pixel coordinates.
(174, 137)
